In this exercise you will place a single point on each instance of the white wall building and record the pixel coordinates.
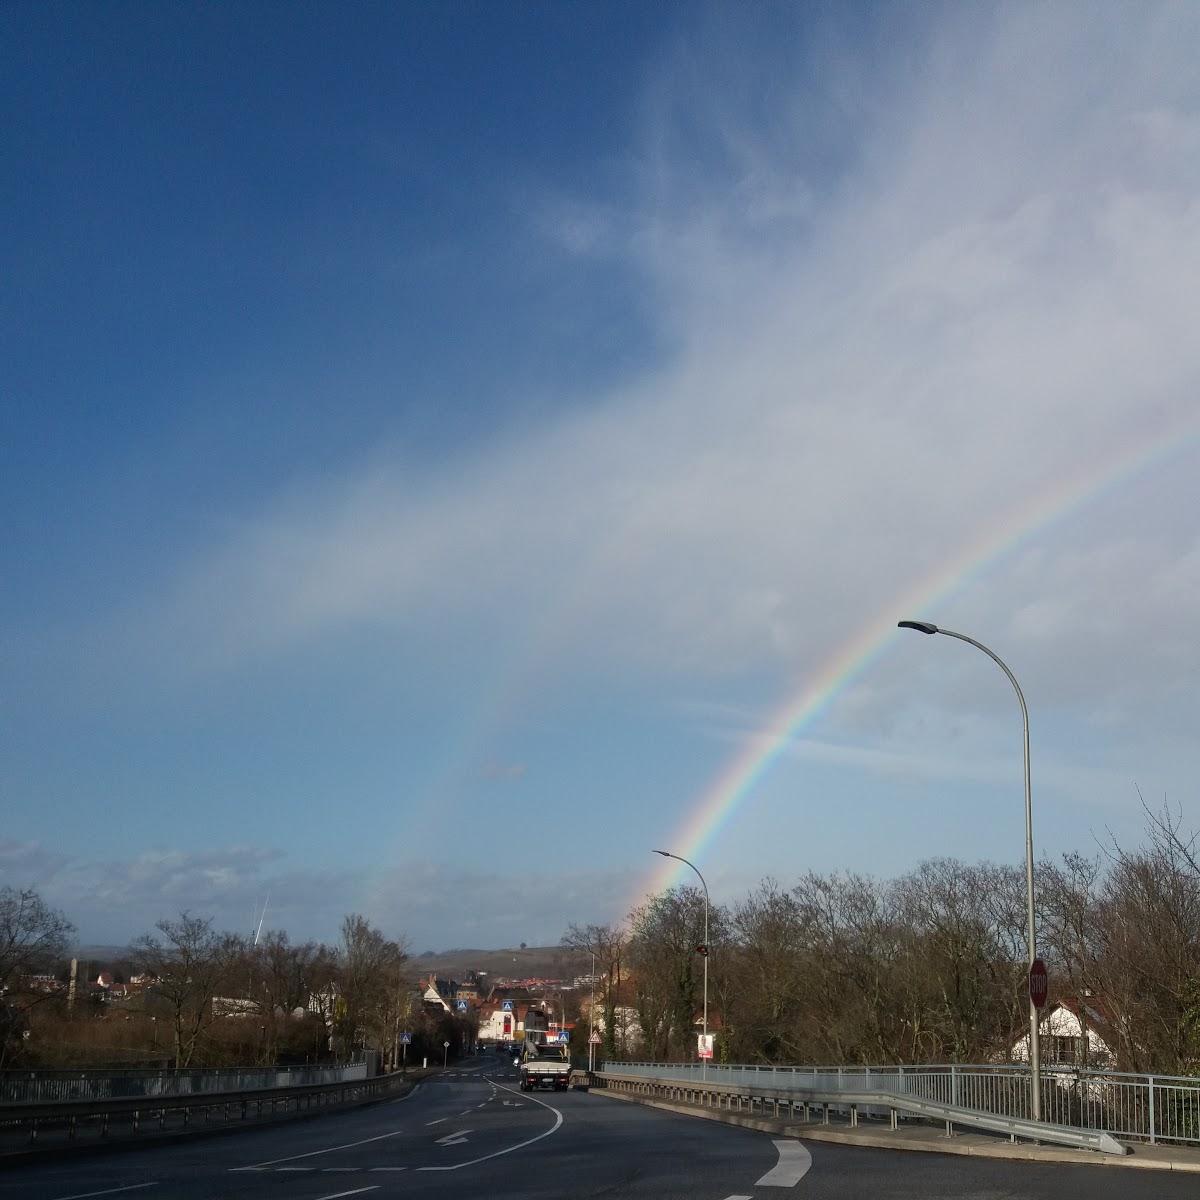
(1068, 1036)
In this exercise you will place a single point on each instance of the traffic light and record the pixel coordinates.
(702, 950)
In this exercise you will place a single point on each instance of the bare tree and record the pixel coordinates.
(664, 934)
(609, 944)
(190, 963)
(369, 982)
(33, 937)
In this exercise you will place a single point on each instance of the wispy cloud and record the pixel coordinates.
(994, 288)
(894, 300)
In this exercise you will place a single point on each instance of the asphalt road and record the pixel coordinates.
(474, 1130)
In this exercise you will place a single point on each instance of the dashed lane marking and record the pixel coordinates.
(794, 1163)
(314, 1153)
(354, 1192)
(437, 1122)
(558, 1120)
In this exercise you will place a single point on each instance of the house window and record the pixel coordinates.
(1068, 1051)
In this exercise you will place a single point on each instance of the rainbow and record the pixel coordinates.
(720, 801)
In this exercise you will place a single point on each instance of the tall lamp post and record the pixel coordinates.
(592, 1017)
(1035, 1053)
(680, 858)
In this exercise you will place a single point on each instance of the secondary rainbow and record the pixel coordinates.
(720, 801)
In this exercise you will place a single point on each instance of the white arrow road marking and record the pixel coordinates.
(794, 1163)
(133, 1187)
(453, 1139)
(311, 1153)
(558, 1120)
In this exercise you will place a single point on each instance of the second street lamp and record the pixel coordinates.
(1035, 1056)
(680, 858)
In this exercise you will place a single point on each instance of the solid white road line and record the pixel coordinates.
(558, 1120)
(739, 1198)
(407, 1095)
(794, 1163)
(437, 1122)
(313, 1153)
(133, 1187)
(357, 1191)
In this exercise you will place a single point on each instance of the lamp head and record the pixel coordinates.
(919, 626)
(664, 853)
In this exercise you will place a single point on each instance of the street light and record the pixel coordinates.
(680, 858)
(1035, 1053)
(592, 1017)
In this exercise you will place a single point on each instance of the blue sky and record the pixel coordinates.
(437, 435)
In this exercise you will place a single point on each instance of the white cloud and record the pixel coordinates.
(870, 368)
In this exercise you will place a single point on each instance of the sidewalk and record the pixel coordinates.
(932, 1140)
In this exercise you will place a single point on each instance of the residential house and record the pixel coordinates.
(1071, 1033)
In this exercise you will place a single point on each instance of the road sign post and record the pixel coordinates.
(445, 1054)
(1039, 983)
(1039, 986)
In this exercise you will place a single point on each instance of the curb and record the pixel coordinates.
(881, 1141)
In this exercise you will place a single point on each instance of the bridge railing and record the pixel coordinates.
(1149, 1108)
(59, 1087)
(25, 1128)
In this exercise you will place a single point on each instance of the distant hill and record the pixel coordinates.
(540, 962)
(543, 962)
(101, 953)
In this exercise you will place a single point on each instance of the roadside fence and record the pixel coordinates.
(1150, 1108)
(58, 1087)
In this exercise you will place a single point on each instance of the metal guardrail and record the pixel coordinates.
(80, 1121)
(1150, 1108)
(58, 1087)
(697, 1090)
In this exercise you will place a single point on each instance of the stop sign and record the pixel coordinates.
(1038, 982)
